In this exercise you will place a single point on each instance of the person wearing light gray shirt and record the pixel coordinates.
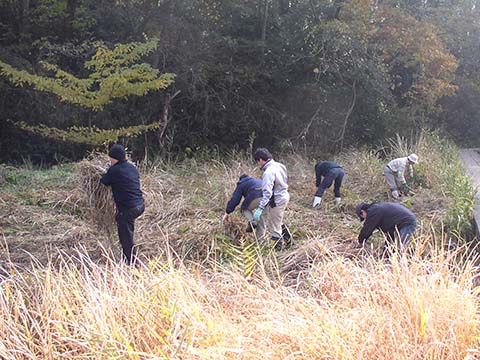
(275, 197)
(394, 173)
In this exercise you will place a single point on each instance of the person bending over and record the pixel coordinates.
(327, 173)
(250, 189)
(396, 221)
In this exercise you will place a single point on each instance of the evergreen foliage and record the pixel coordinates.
(114, 74)
(91, 136)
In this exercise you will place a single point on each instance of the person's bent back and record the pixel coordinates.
(250, 189)
(388, 217)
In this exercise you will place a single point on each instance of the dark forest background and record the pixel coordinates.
(311, 75)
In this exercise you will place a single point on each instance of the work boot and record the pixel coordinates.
(287, 236)
(395, 194)
(250, 227)
(277, 243)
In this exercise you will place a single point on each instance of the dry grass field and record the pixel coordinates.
(206, 290)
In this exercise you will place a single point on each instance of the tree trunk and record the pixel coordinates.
(24, 11)
(283, 6)
(69, 18)
(25, 8)
(165, 120)
(264, 27)
(347, 115)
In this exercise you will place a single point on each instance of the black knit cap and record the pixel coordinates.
(117, 152)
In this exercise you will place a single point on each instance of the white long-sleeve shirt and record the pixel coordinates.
(274, 181)
(398, 168)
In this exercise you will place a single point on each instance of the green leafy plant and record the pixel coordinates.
(459, 216)
(114, 74)
(243, 255)
(91, 136)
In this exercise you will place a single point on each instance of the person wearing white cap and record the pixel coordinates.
(395, 174)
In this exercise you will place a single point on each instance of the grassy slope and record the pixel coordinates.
(320, 299)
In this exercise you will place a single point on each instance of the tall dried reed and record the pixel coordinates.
(410, 308)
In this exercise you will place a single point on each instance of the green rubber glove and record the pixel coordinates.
(257, 214)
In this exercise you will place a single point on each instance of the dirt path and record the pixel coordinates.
(471, 159)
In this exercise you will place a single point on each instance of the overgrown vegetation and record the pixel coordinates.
(205, 289)
(351, 309)
(443, 171)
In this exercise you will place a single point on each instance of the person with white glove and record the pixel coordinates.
(327, 173)
(250, 189)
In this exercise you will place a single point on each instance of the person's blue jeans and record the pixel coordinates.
(405, 233)
(334, 175)
(401, 241)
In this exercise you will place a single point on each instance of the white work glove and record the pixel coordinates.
(316, 201)
(101, 169)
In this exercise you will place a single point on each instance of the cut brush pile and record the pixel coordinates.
(98, 198)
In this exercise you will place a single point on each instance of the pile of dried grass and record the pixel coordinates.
(29, 235)
(184, 208)
(98, 198)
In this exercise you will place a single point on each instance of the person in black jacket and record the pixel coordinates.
(250, 189)
(327, 172)
(390, 218)
(124, 179)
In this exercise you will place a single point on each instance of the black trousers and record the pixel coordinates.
(126, 226)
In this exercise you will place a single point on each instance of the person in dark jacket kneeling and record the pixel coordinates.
(391, 218)
(250, 189)
(124, 179)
